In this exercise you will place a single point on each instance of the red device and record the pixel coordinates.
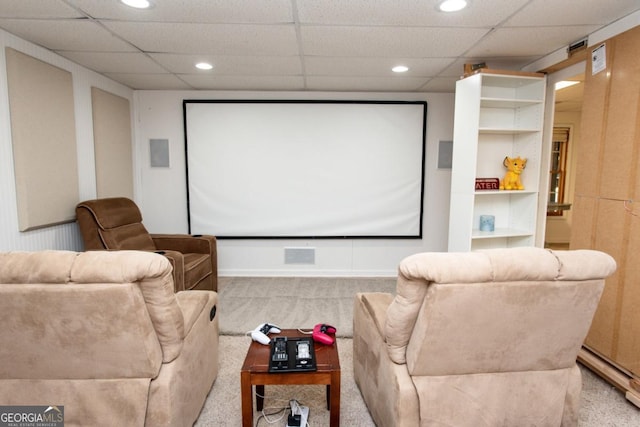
(321, 333)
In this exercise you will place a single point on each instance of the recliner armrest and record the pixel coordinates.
(177, 262)
(185, 243)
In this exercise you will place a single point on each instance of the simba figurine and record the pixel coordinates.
(511, 180)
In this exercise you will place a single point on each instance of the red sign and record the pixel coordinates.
(487, 184)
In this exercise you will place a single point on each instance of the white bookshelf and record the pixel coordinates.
(496, 115)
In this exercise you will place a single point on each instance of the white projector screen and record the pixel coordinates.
(305, 169)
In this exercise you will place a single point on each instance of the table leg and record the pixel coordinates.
(259, 397)
(328, 397)
(333, 394)
(246, 394)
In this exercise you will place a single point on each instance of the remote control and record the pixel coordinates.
(280, 350)
(260, 333)
(292, 354)
(321, 333)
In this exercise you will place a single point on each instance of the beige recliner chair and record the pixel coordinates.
(104, 335)
(479, 339)
(115, 223)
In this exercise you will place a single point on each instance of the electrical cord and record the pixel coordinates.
(266, 416)
(295, 409)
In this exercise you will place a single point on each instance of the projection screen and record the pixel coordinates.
(305, 169)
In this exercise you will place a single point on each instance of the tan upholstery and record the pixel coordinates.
(104, 335)
(479, 339)
(116, 224)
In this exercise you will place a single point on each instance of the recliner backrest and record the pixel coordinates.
(113, 223)
(96, 314)
(506, 310)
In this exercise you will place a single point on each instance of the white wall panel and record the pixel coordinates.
(163, 195)
(65, 236)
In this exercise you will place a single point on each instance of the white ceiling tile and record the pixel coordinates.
(327, 45)
(193, 11)
(36, 9)
(64, 34)
(149, 81)
(456, 68)
(213, 82)
(112, 62)
(555, 12)
(485, 13)
(365, 84)
(440, 84)
(534, 41)
(411, 42)
(231, 65)
(218, 39)
(372, 67)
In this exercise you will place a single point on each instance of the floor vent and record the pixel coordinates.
(299, 255)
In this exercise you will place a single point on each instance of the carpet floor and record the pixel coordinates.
(601, 404)
(293, 302)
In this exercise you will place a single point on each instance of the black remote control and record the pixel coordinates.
(280, 353)
(292, 354)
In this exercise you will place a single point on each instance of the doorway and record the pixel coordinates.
(568, 91)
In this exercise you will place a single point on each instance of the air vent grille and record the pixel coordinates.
(299, 255)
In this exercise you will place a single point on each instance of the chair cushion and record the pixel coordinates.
(196, 268)
(127, 237)
(192, 303)
(153, 274)
(376, 304)
(113, 212)
(501, 327)
(36, 267)
(444, 273)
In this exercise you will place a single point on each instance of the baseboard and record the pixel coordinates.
(610, 373)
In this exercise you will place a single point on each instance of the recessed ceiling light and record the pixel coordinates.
(138, 4)
(564, 83)
(204, 66)
(452, 5)
(400, 69)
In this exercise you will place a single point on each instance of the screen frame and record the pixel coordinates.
(423, 104)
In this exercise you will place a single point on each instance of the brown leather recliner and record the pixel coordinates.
(116, 224)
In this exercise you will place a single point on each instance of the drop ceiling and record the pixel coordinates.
(311, 45)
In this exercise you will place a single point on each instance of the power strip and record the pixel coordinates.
(304, 411)
(299, 415)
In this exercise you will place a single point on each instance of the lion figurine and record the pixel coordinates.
(511, 180)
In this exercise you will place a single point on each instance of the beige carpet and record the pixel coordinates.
(602, 405)
(222, 407)
(293, 302)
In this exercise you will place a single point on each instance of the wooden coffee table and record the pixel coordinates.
(255, 372)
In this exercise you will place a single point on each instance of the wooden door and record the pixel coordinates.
(607, 195)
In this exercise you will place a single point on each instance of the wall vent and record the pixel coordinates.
(299, 255)
(577, 46)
